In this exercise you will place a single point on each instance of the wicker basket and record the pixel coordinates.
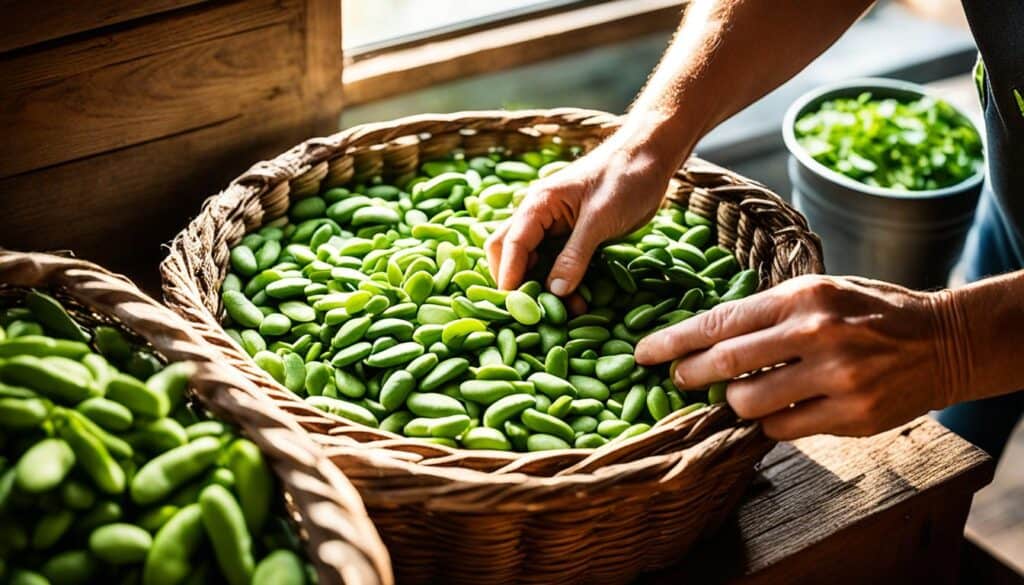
(341, 540)
(451, 515)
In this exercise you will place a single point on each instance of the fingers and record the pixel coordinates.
(703, 331)
(774, 391)
(571, 264)
(735, 356)
(493, 247)
(514, 241)
(811, 417)
(546, 210)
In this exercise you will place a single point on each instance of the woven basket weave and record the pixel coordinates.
(341, 541)
(451, 515)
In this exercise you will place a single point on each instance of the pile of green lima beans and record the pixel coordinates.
(108, 475)
(376, 303)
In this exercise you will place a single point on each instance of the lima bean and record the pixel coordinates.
(407, 317)
(225, 526)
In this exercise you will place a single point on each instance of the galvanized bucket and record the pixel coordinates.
(909, 238)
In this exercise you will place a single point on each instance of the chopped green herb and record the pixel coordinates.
(907, 146)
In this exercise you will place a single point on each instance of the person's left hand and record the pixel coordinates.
(863, 356)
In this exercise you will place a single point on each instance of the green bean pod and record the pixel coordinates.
(49, 377)
(171, 382)
(545, 442)
(120, 543)
(545, 423)
(138, 397)
(163, 474)
(44, 466)
(106, 413)
(254, 481)
(42, 346)
(52, 315)
(281, 567)
(224, 524)
(22, 413)
(505, 408)
(72, 567)
(171, 556)
(93, 456)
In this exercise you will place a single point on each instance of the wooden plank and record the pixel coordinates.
(829, 509)
(833, 482)
(118, 208)
(149, 98)
(53, 19)
(521, 43)
(323, 60)
(43, 65)
(915, 541)
(178, 106)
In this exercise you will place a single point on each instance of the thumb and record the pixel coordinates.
(572, 261)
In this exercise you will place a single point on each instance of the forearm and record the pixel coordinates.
(984, 326)
(726, 55)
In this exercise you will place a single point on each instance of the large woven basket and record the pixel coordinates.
(451, 515)
(340, 538)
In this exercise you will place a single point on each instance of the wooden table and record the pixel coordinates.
(884, 509)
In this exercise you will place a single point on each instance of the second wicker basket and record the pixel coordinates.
(339, 538)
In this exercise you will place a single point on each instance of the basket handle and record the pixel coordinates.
(343, 541)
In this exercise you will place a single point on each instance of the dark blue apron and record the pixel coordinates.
(996, 242)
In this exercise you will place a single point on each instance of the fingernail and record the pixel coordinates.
(641, 353)
(560, 287)
(676, 376)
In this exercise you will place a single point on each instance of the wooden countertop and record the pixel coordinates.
(888, 508)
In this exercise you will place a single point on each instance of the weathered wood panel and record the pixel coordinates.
(118, 208)
(113, 139)
(51, 19)
(73, 56)
(888, 508)
(152, 97)
(322, 31)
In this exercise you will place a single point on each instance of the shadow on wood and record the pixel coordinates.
(884, 509)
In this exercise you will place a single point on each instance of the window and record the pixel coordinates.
(599, 55)
(397, 46)
(370, 25)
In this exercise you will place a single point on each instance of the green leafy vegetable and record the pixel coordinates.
(907, 146)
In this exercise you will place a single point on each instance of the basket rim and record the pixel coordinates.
(460, 489)
(181, 276)
(303, 470)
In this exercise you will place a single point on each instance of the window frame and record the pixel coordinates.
(504, 41)
(466, 26)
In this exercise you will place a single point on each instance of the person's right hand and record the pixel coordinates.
(609, 192)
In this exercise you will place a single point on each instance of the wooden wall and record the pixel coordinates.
(120, 116)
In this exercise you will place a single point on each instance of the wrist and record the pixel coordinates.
(990, 333)
(954, 355)
(657, 136)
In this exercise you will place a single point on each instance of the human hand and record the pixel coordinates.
(863, 356)
(609, 192)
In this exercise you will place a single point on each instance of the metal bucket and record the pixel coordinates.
(909, 238)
